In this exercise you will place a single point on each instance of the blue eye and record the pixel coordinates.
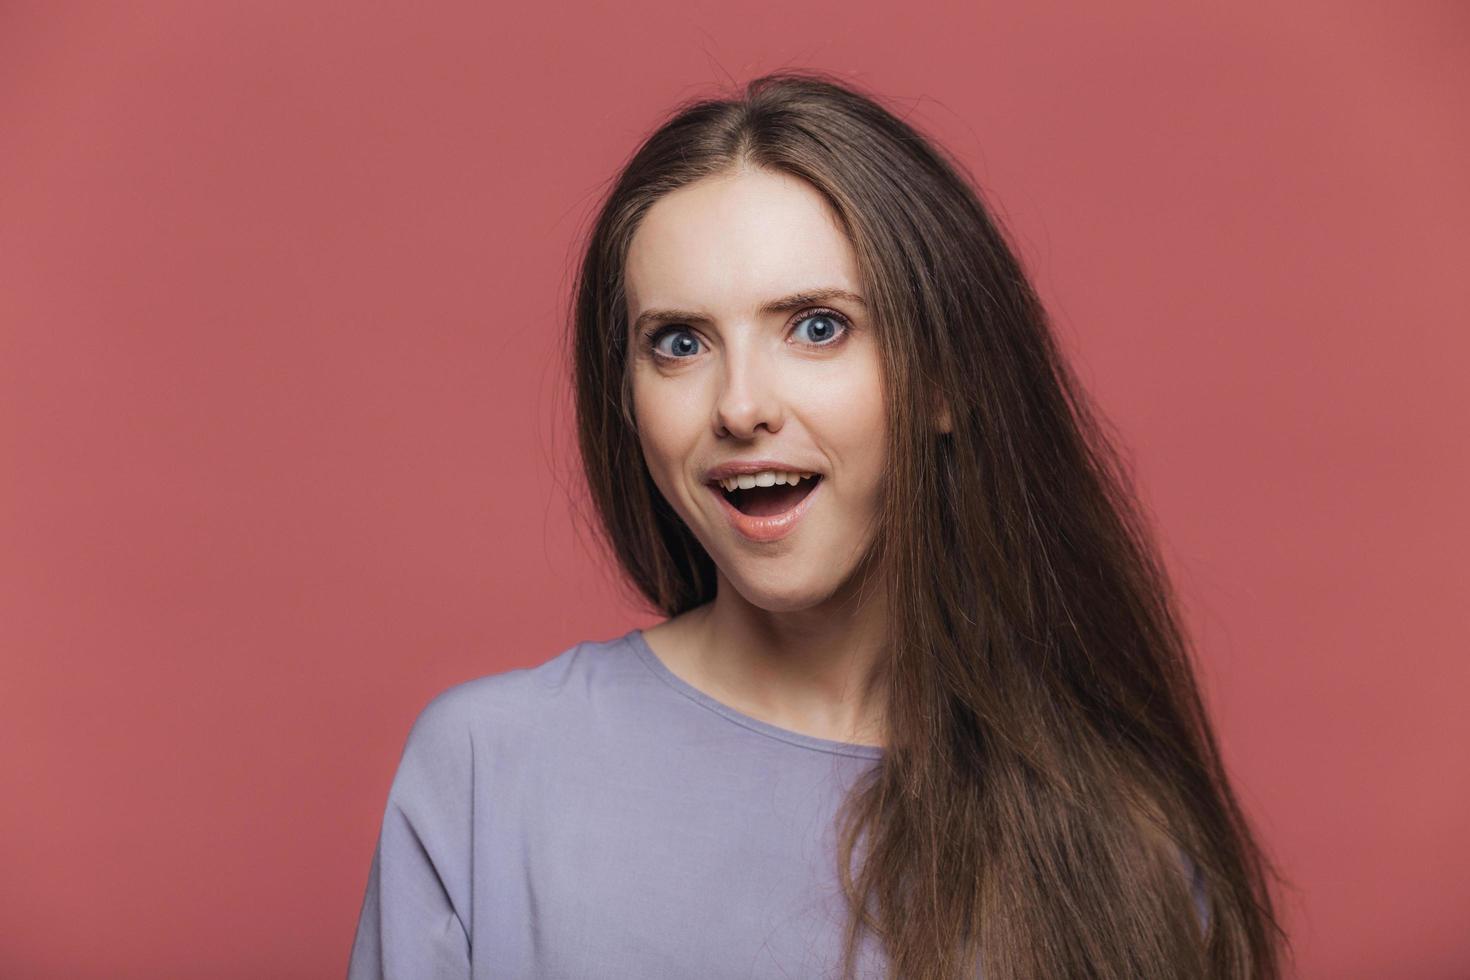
(686, 344)
(836, 325)
(830, 328)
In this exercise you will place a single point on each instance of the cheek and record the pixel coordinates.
(849, 415)
(667, 430)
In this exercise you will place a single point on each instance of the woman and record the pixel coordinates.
(922, 705)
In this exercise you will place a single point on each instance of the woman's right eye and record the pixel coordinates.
(685, 343)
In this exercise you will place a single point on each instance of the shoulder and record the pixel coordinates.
(489, 720)
(497, 707)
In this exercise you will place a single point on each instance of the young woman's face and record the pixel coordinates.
(727, 377)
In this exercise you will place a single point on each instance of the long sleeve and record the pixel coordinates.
(415, 910)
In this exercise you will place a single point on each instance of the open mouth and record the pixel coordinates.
(769, 501)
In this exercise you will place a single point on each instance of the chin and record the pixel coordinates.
(785, 593)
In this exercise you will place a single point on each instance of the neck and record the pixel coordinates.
(814, 670)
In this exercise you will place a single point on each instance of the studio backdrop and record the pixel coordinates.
(285, 445)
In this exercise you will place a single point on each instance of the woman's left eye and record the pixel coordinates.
(830, 324)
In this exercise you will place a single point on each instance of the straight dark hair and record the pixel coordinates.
(1050, 775)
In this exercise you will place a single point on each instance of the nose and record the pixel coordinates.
(750, 394)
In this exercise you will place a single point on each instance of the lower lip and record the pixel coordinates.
(773, 527)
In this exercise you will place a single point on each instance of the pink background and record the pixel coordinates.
(284, 446)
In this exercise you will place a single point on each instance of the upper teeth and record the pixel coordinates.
(765, 478)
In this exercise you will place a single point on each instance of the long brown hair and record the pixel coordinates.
(1049, 773)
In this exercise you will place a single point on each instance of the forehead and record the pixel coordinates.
(727, 244)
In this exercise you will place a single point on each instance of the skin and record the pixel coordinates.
(797, 624)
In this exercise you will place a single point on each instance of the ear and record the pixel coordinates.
(943, 421)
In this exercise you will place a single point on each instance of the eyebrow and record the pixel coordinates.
(786, 304)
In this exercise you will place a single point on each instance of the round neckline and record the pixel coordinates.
(636, 640)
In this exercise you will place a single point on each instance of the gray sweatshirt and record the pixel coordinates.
(598, 817)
